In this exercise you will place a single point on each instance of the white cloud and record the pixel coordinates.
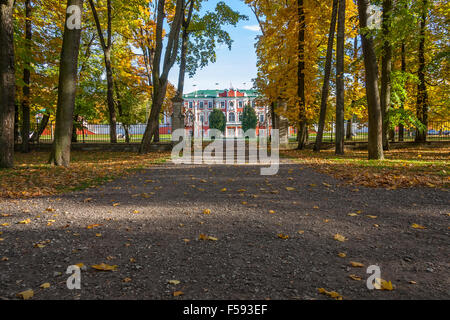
(254, 28)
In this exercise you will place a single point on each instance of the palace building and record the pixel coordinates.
(198, 106)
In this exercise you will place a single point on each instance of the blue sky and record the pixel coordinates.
(237, 66)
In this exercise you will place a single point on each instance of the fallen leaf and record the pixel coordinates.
(207, 211)
(339, 237)
(332, 294)
(417, 226)
(290, 188)
(26, 221)
(355, 277)
(45, 285)
(356, 264)
(127, 280)
(105, 267)
(25, 295)
(283, 236)
(92, 226)
(178, 293)
(342, 254)
(175, 282)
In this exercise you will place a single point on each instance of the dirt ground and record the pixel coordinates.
(149, 225)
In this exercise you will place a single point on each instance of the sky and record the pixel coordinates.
(234, 67)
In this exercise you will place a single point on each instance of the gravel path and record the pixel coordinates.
(149, 223)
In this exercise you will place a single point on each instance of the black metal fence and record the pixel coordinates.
(359, 132)
(99, 133)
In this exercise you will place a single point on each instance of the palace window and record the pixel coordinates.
(190, 104)
(201, 104)
(222, 104)
(231, 117)
(261, 118)
(240, 104)
(210, 105)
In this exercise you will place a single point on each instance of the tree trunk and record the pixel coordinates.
(301, 76)
(160, 80)
(74, 129)
(422, 94)
(349, 133)
(110, 98)
(326, 78)
(340, 85)
(375, 145)
(401, 127)
(26, 81)
(106, 46)
(60, 155)
(16, 122)
(42, 125)
(386, 69)
(7, 84)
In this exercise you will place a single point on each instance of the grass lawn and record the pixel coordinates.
(32, 176)
(402, 168)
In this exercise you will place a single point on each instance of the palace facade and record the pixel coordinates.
(198, 106)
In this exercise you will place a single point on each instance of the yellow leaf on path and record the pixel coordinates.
(175, 282)
(178, 293)
(80, 265)
(316, 207)
(339, 237)
(88, 200)
(207, 211)
(342, 254)
(283, 236)
(27, 221)
(300, 232)
(25, 295)
(98, 234)
(116, 204)
(45, 285)
(372, 217)
(136, 211)
(290, 188)
(356, 264)
(241, 190)
(355, 277)
(205, 237)
(326, 184)
(105, 267)
(127, 280)
(244, 202)
(223, 190)
(92, 226)
(417, 226)
(386, 285)
(5, 224)
(271, 211)
(353, 214)
(413, 282)
(332, 294)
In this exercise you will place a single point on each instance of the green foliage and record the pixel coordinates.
(249, 119)
(217, 120)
